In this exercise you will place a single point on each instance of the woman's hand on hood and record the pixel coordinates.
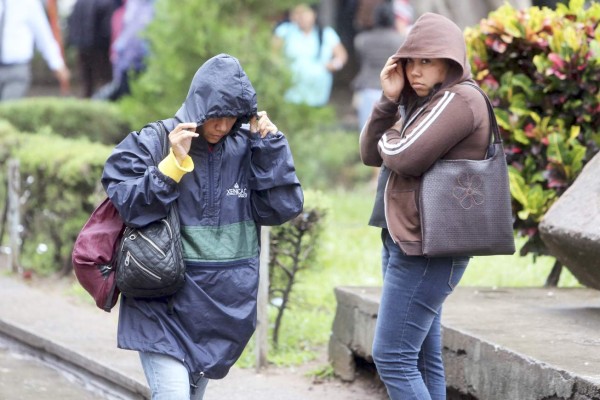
(392, 79)
(262, 124)
(181, 139)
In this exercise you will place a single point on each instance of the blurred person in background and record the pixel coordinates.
(53, 11)
(373, 47)
(314, 53)
(89, 31)
(404, 14)
(24, 27)
(129, 49)
(364, 14)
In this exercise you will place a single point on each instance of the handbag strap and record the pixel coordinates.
(163, 137)
(494, 129)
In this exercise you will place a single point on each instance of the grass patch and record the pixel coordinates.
(514, 271)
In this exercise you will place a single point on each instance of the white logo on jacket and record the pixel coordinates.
(237, 191)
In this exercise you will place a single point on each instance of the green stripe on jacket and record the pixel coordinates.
(220, 243)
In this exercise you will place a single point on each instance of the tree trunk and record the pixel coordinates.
(554, 276)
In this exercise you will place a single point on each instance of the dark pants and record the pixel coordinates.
(95, 69)
(15, 80)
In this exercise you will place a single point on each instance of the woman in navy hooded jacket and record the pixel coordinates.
(230, 171)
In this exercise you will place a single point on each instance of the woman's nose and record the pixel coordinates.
(415, 70)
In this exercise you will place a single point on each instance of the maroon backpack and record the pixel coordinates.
(94, 254)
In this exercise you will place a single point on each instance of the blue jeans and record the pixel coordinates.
(169, 378)
(407, 349)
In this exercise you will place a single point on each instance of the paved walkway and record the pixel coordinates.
(26, 378)
(85, 338)
(532, 335)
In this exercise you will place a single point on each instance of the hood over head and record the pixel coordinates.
(435, 36)
(220, 88)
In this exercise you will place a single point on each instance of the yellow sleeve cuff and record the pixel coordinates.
(171, 168)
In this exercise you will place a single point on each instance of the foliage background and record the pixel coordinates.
(204, 29)
(100, 121)
(541, 68)
(60, 186)
(243, 29)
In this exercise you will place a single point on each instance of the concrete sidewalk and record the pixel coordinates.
(83, 338)
(505, 344)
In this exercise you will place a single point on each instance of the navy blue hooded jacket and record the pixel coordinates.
(236, 186)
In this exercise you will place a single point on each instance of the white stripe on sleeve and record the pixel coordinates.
(404, 143)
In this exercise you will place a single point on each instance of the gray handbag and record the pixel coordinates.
(150, 260)
(465, 205)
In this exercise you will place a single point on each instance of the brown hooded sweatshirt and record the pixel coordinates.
(408, 136)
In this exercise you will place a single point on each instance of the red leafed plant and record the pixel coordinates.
(541, 68)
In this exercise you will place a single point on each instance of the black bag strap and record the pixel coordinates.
(163, 138)
(494, 129)
(162, 132)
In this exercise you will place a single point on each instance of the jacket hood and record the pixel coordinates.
(220, 88)
(435, 36)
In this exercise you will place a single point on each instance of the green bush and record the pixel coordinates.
(60, 186)
(99, 121)
(541, 68)
(293, 250)
(60, 165)
(8, 135)
(327, 158)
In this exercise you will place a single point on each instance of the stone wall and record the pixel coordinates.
(498, 344)
(571, 227)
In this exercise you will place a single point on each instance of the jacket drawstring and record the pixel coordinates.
(194, 382)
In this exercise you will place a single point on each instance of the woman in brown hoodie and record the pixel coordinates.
(426, 112)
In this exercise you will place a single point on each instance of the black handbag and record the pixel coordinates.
(465, 205)
(150, 260)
